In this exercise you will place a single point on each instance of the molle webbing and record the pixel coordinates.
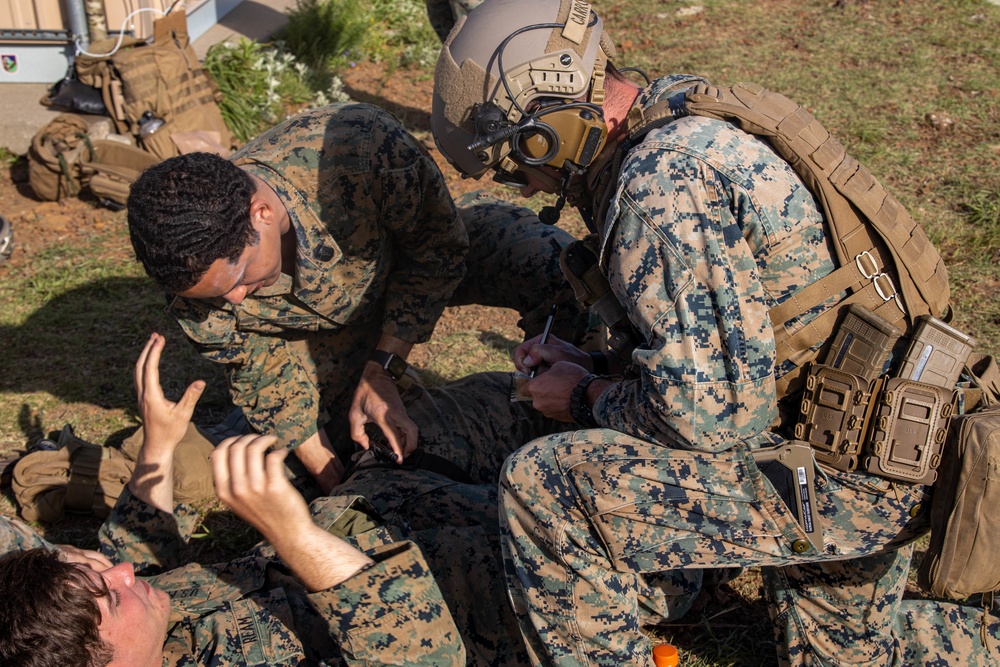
(886, 262)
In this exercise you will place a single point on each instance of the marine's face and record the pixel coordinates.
(134, 616)
(258, 266)
(261, 263)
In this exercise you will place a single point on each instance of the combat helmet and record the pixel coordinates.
(520, 84)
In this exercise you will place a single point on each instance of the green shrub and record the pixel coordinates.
(260, 85)
(247, 103)
(319, 31)
(402, 31)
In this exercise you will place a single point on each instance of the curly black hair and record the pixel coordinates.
(187, 212)
(49, 613)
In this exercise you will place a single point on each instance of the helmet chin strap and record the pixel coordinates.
(550, 214)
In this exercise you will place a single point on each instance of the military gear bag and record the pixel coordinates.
(68, 156)
(83, 478)
(54, 156)
(961, 559)
(162, 81)
(78, 477)
(108, 170)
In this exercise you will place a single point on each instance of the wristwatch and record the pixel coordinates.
(578, 408)
(393, 364)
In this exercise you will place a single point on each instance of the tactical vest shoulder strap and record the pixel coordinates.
(886, 261)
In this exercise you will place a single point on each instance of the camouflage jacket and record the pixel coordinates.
(251, 611)
(380, 246)
(707, 229)
(16, 536)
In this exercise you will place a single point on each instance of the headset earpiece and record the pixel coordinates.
(573, 133)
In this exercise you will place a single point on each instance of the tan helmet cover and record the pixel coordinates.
(562, 62)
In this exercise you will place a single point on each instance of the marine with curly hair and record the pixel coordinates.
(312, 261)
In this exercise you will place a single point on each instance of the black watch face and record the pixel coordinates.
(396, 367)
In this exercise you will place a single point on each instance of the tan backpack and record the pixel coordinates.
(83, 478)
(54, 157)
(961, 559)
(67, 157)
(109, 170)
(143, 84)
(78, 477)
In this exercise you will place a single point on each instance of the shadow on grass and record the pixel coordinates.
(80, 347)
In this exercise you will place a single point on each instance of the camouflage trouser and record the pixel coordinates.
(472, 424)
(455, 526)
(467, 564)
(853, 613)
(587, 512)
(513, 262)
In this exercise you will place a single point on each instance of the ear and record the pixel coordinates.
(261, 212)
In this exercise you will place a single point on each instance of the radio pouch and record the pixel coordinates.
(961, 559)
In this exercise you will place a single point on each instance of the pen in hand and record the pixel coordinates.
(545, 337)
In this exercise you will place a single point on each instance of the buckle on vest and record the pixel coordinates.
(868, 274)
(885, 292)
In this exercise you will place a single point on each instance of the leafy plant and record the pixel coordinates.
(402, 32)
(260, 84)
(247, 99)
(319, 31)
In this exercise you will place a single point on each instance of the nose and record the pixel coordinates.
(236, 295)
(123, 572)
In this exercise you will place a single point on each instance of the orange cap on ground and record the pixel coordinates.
(665, 655)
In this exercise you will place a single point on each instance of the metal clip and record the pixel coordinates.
(885, 293)
(866, 273)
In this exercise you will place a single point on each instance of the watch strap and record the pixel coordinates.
(388, 360)
(578, 408)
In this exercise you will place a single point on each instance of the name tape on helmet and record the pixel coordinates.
(576, 22)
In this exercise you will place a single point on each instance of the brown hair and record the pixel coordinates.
(49, 613)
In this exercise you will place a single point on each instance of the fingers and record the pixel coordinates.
(95, 560)
(238, 466)
(151, 369)
(275, 462)
(402, 434)
(522, 351)
(190, 399)
(357, 419)
(140, 364)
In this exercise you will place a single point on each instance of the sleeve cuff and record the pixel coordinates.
(392, 607)
(149, 538)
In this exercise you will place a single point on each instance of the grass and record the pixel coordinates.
(319, 31)
(909, 87)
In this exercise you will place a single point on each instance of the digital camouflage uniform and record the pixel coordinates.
(251, 611)
(442, 603)
(708, 228)
(381, 248)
